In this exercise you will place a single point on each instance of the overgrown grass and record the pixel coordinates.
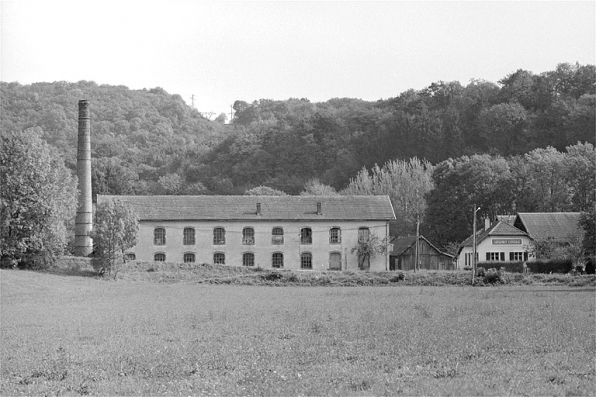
(87, 336)
(164, 272)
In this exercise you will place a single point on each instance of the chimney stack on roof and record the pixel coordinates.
(486, 223)
(258, 208)
(319, 209)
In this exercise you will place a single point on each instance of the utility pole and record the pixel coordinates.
(417, 241)
(474, 243)
(192, 98)
(231, 113)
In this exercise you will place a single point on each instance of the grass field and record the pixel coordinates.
(72, 335)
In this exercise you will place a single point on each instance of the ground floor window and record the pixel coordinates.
(189, 258)
(159, 257)
(219, 258)
(306, 260)
(495, 256)
(335, 261)
(518, 256)
(248, 259)
(131, 256)
(277, 260)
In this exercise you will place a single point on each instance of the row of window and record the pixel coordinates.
(248, 259)
(517, 256)
(248, 235)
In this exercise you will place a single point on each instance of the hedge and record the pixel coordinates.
(552, 266)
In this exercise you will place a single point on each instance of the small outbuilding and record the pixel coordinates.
(403, 255)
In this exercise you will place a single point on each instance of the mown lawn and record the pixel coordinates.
(67, 335)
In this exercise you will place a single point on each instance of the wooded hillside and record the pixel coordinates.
(150, 142)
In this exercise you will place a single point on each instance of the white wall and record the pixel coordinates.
(496, 244)
(263, 247)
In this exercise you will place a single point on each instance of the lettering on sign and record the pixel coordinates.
(502, 241)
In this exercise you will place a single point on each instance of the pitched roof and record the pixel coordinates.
(557, 225)
(229, 208)
(498, 228)
(401, 244)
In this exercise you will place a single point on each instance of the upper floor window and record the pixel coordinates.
(159, 236)
(130, 256)
(189, 258)
(306, 235)
(363, 234)
(277, 236)
(189, 236)
(219, 258)
(219, 236)
(277, 260)
(334, 235)
(306, 260)
(159, 257)
(335, 261)
(248, 259)
(248, 236)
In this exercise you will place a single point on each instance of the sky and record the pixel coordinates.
(220, 52)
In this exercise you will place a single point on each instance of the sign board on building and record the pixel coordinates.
(506, 241)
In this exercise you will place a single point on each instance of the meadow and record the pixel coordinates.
(72, 335)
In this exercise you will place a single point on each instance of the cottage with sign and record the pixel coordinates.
(497, 242)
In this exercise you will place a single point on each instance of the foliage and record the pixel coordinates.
(550, 266)
(115, 231)
(587, 222)
(314, 187)
(37, 200)
(512, 267)
(264, 191)
(405, 182)
(368, 248)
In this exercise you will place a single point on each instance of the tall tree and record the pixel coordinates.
(37, 200)
(115, 231)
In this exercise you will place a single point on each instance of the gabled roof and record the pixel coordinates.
(401, 244)
(228, 208)
(498, 228)
(542, 225)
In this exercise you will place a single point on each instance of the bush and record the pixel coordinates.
(397, 278)
(552, 266)
(511, 267)
(492, 277)
(590, 269)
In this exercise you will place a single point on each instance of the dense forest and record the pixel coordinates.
(497, 139)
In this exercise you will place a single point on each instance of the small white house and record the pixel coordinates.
(497, 242)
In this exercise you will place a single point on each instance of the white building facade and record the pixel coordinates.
(277, 232)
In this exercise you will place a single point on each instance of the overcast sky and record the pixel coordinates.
(223, 51)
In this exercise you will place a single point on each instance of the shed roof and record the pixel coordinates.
(559, 226)
(163, 208)
(401, 244)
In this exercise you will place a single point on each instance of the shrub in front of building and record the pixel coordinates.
(551, 266)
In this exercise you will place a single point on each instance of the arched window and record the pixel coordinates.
(248, 236)
(189, 236)
(219, 258)
(219, 236)
(306, 235)
(335, 261)
(159, 236)
(277, 236)
(277, 260)
(363, 234)
(159, 257)
(306, 260)
(189, 257)
(248, 259)
(335, 235)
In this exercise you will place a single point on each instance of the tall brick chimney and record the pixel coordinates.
(83, 244)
